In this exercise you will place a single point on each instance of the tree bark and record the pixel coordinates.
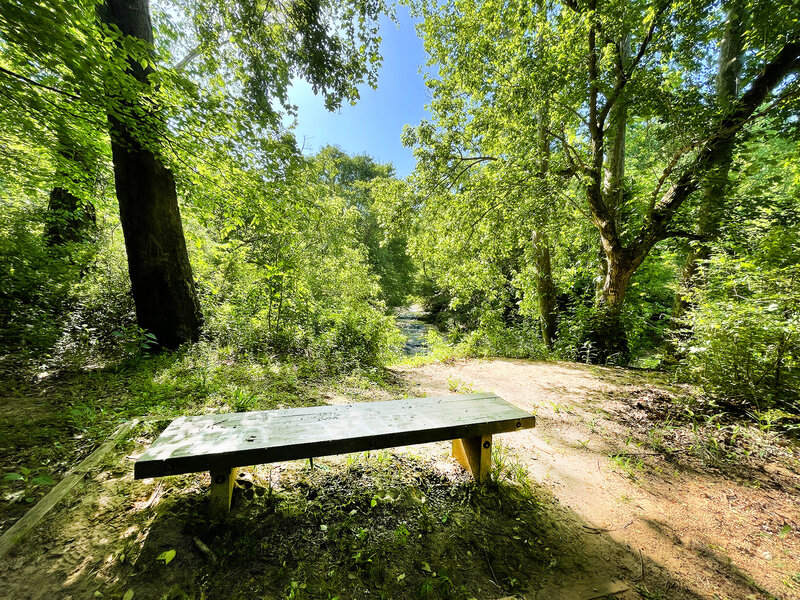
(614, 184)
(623, 259)
(545, 288)
(158, 262)
(70, 218)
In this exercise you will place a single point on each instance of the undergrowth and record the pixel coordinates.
(52, 419)
(376, 525)
(686, 428)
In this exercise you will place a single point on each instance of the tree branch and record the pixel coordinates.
(190, 56)
(679, 233)
(37, 84)
(574, 169)
(626, 76)
(581, 118)
(472, 161)
(743, 110)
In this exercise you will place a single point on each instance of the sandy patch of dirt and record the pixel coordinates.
(729, 531)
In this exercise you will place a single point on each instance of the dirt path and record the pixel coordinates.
(717, 532)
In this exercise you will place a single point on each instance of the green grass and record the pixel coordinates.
(378, 525)
(51, 420)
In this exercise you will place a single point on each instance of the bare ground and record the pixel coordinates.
(723, 528)
(613, 488)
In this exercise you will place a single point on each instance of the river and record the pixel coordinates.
(409, 320)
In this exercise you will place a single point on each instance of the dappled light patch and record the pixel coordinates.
(696, 433)
(48, 425)
(421, 528)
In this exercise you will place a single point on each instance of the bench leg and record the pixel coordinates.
(221, 491)
(475, 454)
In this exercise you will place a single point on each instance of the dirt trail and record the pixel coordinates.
(719, 536)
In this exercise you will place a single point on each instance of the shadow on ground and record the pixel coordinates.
(385, 525)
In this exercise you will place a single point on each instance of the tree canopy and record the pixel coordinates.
(601, 111)
(612, 182)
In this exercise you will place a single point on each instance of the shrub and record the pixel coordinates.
(36, 281)
(745, 341)
(494, 338)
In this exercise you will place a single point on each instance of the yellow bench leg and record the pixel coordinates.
(221, 491)
(475, 454)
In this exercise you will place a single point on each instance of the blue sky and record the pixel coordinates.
(374, 124)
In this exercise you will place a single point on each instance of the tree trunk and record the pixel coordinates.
(70, 218)
(545, 288)
(614, 184)
(161, 276)
(606, 339)
(712, 203)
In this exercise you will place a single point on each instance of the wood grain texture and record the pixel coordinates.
(225, 441)
(221, 492)
(475, 455)
(32, 518)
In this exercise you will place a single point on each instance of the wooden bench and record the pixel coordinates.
(223, 442)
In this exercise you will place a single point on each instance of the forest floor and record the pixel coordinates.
(626, 487)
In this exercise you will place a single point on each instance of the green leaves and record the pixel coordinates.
(43, 480)
(166, 556)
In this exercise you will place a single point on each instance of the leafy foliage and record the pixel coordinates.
(744, 322)
(548, 113)
(300, 258)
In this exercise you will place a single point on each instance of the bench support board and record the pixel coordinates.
(475, 454)
(220, 492)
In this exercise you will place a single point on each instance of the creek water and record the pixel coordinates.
(409, 320)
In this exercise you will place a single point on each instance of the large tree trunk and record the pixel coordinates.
(712, 203)
(161, 276)
(606, 339)
(545, 287)
(614, 183)
(623, 258)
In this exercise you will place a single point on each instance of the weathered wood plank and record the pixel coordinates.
(219, 442)
(32, 518)
(221, 492)
(475, 455)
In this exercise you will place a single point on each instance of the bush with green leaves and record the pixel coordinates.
(745, 324)
(294, 280)
(36, 280)
(741, 339)
(494, 338)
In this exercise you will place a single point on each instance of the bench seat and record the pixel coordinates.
(221, 443)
